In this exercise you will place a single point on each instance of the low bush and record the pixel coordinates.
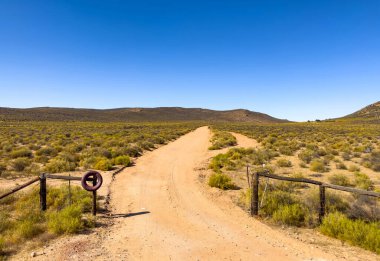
(104, 164)
(22, 153)
(353, 168)
(222, 139)
(339, 179)
(341, 165)
(356, 232)
(362, 181)
(318, 166)
(66, 221)
(222, 181)
(284, 163)
(57, 165)
(275, 199)
(20, 164)
(220, 161)
(292, 215)
(123, 160)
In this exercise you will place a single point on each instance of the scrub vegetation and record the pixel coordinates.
(341, 153)
(222, 139)
(29, 148)
(22, 220)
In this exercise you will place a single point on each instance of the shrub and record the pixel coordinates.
(123, 160)
(103, 164)
(220, 161)
(303, 165)
(284, 163)
(222, 139)
(222, 181)
(20, 164)
(66, 221)
(318, 166)
(341, 165)
(363, 181)
(339, 179)
(46, 151)
(354, 168)
(275, 199)
(293, 215)
(22, 153)
(307, 155)
(26, 229)
(356, 232)
(3, 168)
(57, 165)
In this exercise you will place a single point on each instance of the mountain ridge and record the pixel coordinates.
(135, 114)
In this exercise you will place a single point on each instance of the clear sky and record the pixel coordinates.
(291, 59)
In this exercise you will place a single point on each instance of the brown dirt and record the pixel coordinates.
(161, 211)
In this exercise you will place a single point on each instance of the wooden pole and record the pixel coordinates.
(20, 187)
(255, 195)
(322, 202)
(94, 198)
(249, 183)
(43, 192)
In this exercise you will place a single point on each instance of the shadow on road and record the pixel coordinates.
(127, 215)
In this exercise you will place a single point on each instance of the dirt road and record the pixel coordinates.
(162, 212)
(180, 221)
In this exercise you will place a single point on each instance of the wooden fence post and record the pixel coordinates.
(255, 195)
(94, 197)
(249, 183)
(322, 202)
(43, 192)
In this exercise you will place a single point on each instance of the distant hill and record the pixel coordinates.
(134, 115)
(370, 112)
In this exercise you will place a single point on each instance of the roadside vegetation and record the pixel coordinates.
(341, 153)
(222, 139)
(29, 148)
(21, 219)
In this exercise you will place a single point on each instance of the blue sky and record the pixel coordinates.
(298, 60)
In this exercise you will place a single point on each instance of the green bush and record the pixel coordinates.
(57, 165)
(362, 181)
(275, 199)
(220, 161)
(66, 221)
(222, 139)
(20, 164)
(26, 229)
(292, 215)
(22, 153)
(46, 151)
(104, 164)
(339, 179)
(222, 181)
(356, 232)
(123, 160)
(284, 163)
(307, 155)
(318, 166)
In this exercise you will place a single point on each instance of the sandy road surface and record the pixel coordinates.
(164, 213)
(183, 223)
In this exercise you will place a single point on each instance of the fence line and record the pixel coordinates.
(254, 184)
